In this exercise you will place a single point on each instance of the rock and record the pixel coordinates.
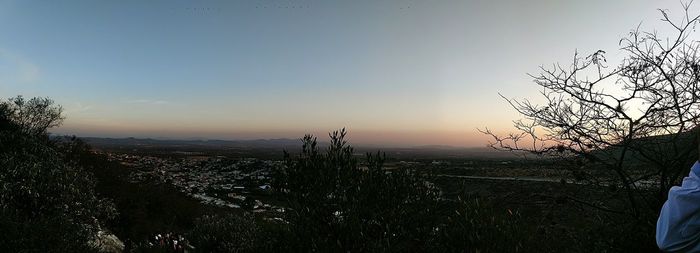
(108, 242)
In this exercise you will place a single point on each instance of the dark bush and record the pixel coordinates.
(225, 233)
(475, 226)
(338, 203)
(47, 201)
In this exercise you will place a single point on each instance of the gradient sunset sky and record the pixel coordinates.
(392, 72)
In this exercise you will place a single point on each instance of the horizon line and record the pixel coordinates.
(355, 144)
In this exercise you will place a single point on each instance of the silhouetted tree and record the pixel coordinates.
(33, 116)
(338, 203)
(633, 119)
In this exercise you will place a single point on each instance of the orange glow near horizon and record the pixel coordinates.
(465, 138)
(428, 75)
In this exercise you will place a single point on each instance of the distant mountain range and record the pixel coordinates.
(259, 143)
(424, 152)
(275, 146)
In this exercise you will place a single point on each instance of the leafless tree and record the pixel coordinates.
(635, 119)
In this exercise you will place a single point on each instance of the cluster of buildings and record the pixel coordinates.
(242, 183)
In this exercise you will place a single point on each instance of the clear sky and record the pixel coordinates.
(392, 72)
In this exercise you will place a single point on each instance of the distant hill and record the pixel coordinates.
(659, 147)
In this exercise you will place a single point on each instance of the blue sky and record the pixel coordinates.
(393, 72)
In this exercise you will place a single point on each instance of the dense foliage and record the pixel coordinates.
(47, 200)
(227, 233)
(337, 203)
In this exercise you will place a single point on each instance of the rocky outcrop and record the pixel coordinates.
(108, 242)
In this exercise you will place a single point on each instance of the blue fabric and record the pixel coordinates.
(678, 227)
